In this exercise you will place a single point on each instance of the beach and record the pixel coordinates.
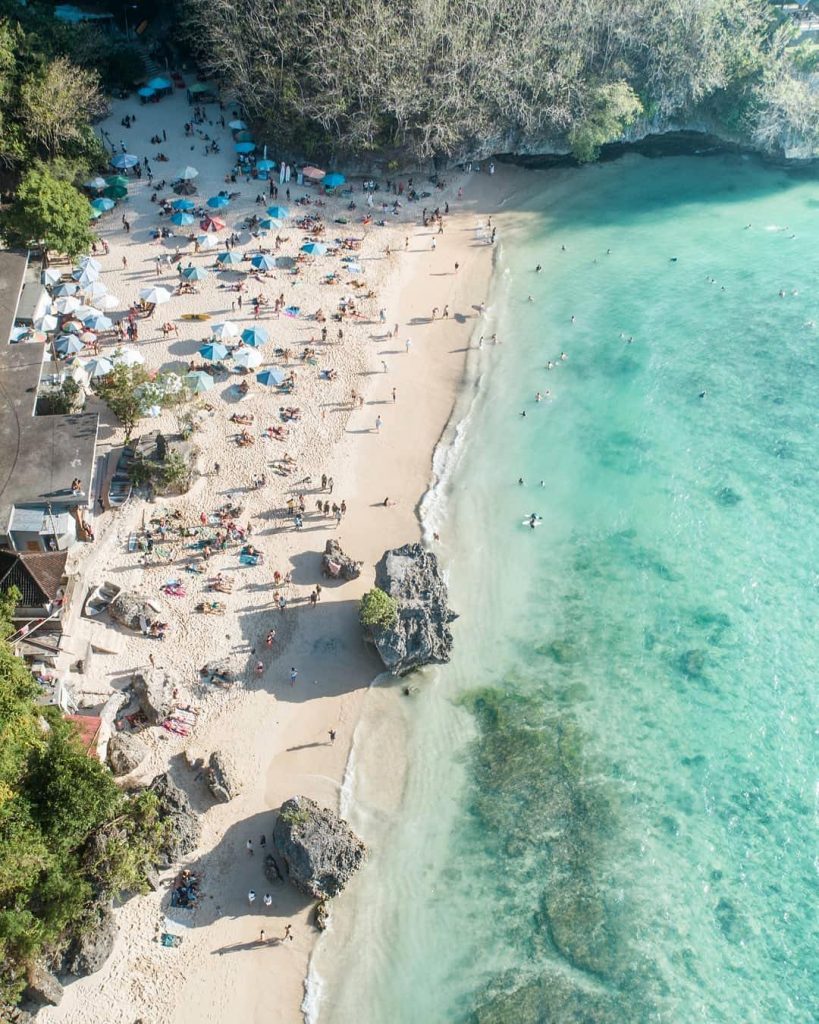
(276, 734)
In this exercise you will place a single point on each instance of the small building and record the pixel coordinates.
(40, 578)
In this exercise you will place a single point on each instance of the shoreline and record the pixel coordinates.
(217, 970)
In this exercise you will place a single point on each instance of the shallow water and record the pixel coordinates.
(610, 809)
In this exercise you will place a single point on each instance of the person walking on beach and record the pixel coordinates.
(251, 897)
(288, 932)
(407, 346)
(293, 676)
(330, 485)
(383, 366)
(332, 734)
(249, 847)
(395, 395)
(378, 424)
(262, 936)
(268, 900)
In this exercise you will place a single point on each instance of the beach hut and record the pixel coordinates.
(255, 336)
(198, 381)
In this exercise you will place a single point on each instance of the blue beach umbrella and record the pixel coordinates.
(334, 179)
(94, 214)
(269, 224)
(125, 160)
(245, 147)
(182, 219)
(255, 336)
(229, 259)
(68, 345)
(98, 322)
(159, 83)
(183, 204)
(103, 205)
(237, 125)
(146, 92)
(198, 381)
(218, 202)
(66, 288)
(279, 212)
(194, 273)
(270, 378)
(314, 248)
(214, 350)
(265, 165)
(263, 262)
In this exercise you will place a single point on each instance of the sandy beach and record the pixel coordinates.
(276, 734)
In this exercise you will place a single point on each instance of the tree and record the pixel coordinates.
(48, 212)
(57, 104)
(612, 108)
(377, 609)
(121, 389)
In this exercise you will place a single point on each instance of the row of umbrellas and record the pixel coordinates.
(199, 381)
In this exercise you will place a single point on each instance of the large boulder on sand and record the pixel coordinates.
(93, 943)
(222, 778)
(185, 831)
(125, 753)
(42, 988)
(335, 563)
(154, 691)
(420, 634)
(320, 850)
(131, 609)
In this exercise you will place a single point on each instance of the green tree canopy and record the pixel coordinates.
(377, 608)
(47, 211)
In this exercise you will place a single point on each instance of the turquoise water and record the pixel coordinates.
(611, 804)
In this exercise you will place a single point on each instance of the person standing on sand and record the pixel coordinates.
(378, 422)
(395, 395)
(293, 676)
(332, 734)
(288, 932)
(407, 346)
(251, 897)
(262, 936)
(249, 847)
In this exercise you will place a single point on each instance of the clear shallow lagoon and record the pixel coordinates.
(611, 804)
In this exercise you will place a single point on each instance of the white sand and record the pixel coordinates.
(276, 734)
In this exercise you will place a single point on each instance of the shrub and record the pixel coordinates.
(377, 609)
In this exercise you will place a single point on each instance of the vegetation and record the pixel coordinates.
(49, 212)
(377, 608)
(66, 398)
(68, 835)
(130, 391)
(452, 78)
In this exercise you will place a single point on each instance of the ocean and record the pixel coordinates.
(609, 807)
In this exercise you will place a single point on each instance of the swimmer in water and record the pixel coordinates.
(523, 413)
(520, 481)
(530, 299)
(538, 269)
(550, 365)
(538, 397)
(533, 518)
(572, 317)
(563, 356)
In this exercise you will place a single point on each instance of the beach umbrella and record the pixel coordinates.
(263, 262)
(229, 259)
(87, 337)
(279, 212)
(247, 358)
(313, 173)
(244, 136)
(184, 188)
(245, 147)
(83, 311)
(156, 296)
(269, 224)
(116, 192)
(128, 357)
(183, 204)
(333, 180)
(98, 367)
(96, 290)
(50, 276)
(182, 219)
(117, 179)
(72, 326)
(98, 322)
(194, 273)
(218, 202)
(214, 350)
(237, 126)
(207, 241)
(94, 214)
(86, 274)
(68, 345)
(198, 381)
(255, 336)
(228, 329)
(210, 224)
(270, 378)
(46, 323)
(157, 84)
(354, 268)
(96, 184)
(66, 288)
(124, 160)
(88, 261)
(314, 248)
(66, 304)
(146, 92)
(265, 165)
(188, 173)
(108, 302)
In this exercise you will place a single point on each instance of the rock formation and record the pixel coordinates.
(221, 778)
(321, 915)
(132, 609)
(125, 753)
(421, 634)
(42, 988)
(185, 831)
(320, 850)
(335, 563)
(154, 691)
(93, 943)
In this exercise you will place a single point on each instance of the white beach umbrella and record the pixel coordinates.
(83, 312)
(98, 367)
(109, 302)
(66, 304)
(51, 276)
(188, 173)
(207, 241)
(65, 288)
(89, 261)
(96, 290)
(226, 330)
(247, 358)
(86, 276)
(128, 357)
(46, 323)
(156, 296)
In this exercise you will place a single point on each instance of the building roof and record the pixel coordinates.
(39, 455)
(37, 575)
(12, 274)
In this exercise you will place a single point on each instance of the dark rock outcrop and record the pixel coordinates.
(154, 691)
(321, 915)
(125, 753)
(421, 634)
(320, 850)
(132, 609)
(221, 778)
(336, 564)
(271, 869)
(15, 1015)
(42, 988)
(185, 831)
(93, 944)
